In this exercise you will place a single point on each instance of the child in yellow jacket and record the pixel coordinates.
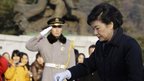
(18, 71)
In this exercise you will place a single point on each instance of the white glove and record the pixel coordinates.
(45, 31)
(63, 75)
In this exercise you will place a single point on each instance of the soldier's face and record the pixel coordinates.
(56, 31)
(103, 31)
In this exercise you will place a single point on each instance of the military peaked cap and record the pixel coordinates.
(56, 21)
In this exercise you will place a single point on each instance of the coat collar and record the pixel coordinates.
(52, 39)
(116, 37)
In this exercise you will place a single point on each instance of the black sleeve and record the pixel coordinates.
(134, 61)
(85, 68)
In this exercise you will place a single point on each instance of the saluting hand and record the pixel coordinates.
(45, 31)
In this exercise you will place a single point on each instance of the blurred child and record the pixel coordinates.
(37, 67)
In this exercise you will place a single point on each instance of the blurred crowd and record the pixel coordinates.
(16, 67)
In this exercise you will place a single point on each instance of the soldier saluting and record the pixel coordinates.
(57, 51)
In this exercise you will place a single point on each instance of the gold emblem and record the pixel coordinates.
(57, 20)
(62, 48)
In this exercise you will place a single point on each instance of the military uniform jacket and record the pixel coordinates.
(118, 60)
(57, 53)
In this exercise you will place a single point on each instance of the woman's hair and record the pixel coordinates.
(6, 53)
(38, 55)
(107, 14)
(15, 52)
(79, 55)
(92, 46)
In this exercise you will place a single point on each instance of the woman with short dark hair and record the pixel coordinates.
(118, 57)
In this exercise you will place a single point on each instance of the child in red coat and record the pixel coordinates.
(3, 66)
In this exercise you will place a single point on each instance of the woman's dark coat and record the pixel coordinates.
(118, 60)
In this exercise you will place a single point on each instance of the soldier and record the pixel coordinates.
(57, 51)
